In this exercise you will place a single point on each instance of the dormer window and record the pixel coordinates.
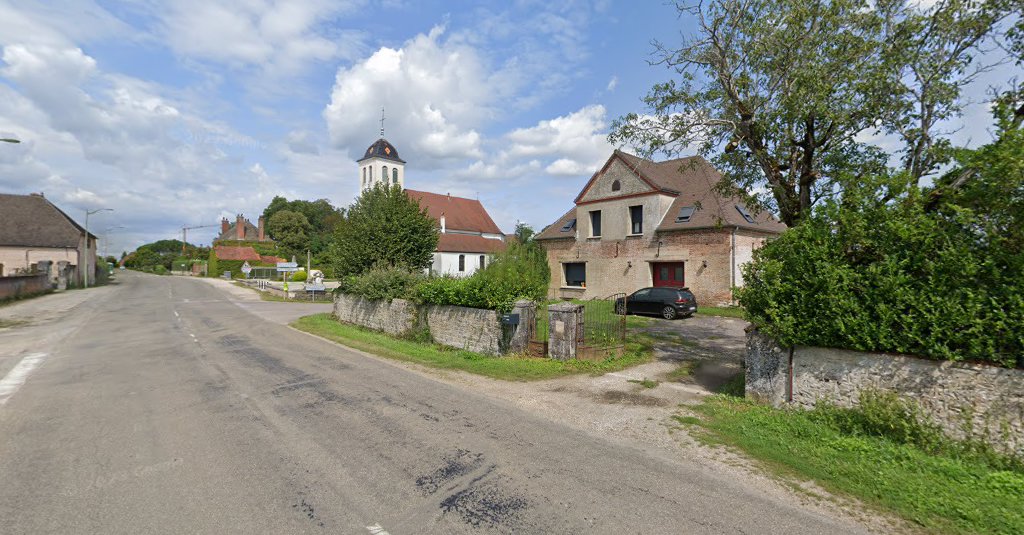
(569, 225)
(616, 185)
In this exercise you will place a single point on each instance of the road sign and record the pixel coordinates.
(287, 267)
(246, 268)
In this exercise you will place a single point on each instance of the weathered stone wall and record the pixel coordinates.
(472, 329)
(397, 317)
(23, 285)
(974, 400)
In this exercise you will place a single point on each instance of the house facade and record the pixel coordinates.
(639, 223)
(34, 233)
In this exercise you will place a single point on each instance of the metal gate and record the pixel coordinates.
(603, 328)
(539, 332)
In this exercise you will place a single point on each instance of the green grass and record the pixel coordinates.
(11, 323)
(726, 312)
(877, 457)
(683, 372)
(509, 368)
(267, 296)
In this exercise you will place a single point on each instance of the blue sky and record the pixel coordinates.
(184, 112)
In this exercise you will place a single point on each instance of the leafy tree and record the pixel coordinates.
(384, 227)
(291, 231)
(778, 91)
(323, 218)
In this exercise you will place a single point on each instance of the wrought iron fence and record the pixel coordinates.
(604, 329)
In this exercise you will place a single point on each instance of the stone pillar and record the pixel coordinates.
(767, 368)
(63, 267)
(521, 334)
(564, 323)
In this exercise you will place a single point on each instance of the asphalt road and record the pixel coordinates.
(160, 406)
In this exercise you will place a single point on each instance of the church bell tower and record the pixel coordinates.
(381, 163)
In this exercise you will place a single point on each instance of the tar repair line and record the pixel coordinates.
(17, 376)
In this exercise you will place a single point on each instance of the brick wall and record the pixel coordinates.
(980, 401)
(23, 285)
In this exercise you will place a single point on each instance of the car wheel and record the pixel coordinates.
(620, 309)
(668, 313)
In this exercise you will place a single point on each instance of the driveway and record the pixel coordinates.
(709, 348)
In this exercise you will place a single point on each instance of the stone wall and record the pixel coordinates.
(23, 285)
(473, 329)
(974, 400)
(397, 317)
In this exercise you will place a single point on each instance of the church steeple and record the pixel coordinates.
(381, 163)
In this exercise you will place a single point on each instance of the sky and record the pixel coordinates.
(182, 112)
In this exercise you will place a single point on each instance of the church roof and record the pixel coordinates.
(460, 213)
(382, 148)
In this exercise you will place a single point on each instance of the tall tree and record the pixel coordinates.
(779, 92)
(384, 227)
(291, 231)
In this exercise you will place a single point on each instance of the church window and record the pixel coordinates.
(462, 262)
(384, 175)
(394, 176)
(371, 174)
(483, 260)
(364, 175)
(616, 186)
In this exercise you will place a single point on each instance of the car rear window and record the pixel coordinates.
(685, 294)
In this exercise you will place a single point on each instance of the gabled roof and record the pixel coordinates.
(465, 243)
(252, 233)
(691, 181)
(236, 252)
(382, 148)
(459, 213)
(33, 221)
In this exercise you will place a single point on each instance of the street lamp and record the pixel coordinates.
(85, 275)
(106, 239)
(10, 140)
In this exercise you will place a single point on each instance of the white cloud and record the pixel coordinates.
(579, 140)
(434, 93)
(612, 84)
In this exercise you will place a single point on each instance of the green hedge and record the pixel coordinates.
(896, 277)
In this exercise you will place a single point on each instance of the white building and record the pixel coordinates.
(469, 237)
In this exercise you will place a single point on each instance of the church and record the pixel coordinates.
(468, 239)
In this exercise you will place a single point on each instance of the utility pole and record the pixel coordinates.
(85, 274)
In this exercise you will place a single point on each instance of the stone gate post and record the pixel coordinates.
(564, 322)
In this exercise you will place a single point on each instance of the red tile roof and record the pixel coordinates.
(464, 243)
(459, 213)
(229, 252)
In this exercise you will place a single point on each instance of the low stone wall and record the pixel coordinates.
(397, 317)
(473, 329)
(967, 400)
(23, 285)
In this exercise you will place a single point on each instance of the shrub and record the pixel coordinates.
(299, 276)
(520, 272)
(159, 269)
(381, 283)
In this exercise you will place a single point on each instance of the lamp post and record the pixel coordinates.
(85, 274)
(10, 140)
(106, 239)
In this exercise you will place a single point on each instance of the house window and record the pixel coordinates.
(576, 274)
(569, 225)
(394, 175)
(746, 215)
(636, 219)
(482, 261)
(685, 213)
(616, 185)
(462, 262)
(595, 223)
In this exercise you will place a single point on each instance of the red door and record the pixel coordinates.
(668, 274)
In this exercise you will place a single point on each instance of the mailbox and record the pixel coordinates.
(510, 319)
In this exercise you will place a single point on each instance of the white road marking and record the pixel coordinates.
(17, 376)
(377, 530)
(176, 315)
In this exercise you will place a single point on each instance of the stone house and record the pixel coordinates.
(34, 232)
(469, 238)
(640, 223)
(242, 230)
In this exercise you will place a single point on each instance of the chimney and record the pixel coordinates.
(444, 227)
(239, 227)
(224, 225)
(262, 229)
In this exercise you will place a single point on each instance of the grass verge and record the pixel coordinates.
(725, 312)
(509, 368)
(882, 455)
(267, 296)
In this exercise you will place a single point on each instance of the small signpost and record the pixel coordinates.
(287, 267)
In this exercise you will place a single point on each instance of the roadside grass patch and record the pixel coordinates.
(509, 368)
(267, 296)
(645, 382)
(683, 372)
(726, 312)
(881, 454)
(4, 323)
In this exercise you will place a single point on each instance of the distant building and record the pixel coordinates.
(468, 239)
(242, 230)
(640, 223)
(33, 231)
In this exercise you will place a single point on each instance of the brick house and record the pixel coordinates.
(242, 230)
(640, 223)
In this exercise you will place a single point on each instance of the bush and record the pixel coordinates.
(520, 272)
(299, 276)
(159, 269)
(890, 276)
(381, 283)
